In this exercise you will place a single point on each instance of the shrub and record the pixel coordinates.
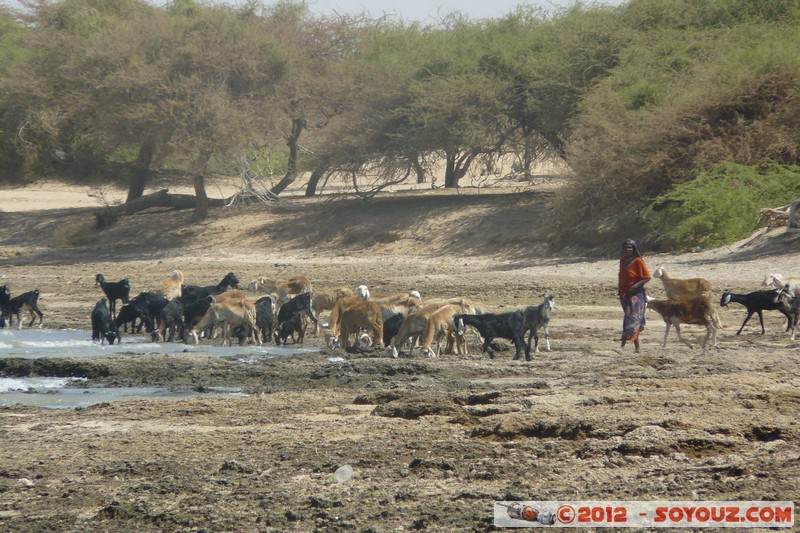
(722, 204)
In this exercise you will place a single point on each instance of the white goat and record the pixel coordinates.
(539, 317)
(682, 289)
(691, 311)
(794, 308)
(779, 282)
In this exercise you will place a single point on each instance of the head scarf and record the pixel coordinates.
(636, 252)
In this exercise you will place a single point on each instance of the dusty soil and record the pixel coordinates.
(432, 442)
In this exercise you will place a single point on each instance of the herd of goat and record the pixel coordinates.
(284, 308)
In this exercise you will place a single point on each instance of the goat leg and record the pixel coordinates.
(487, 349)
(684, 341)
(666, 333)
(747, 318)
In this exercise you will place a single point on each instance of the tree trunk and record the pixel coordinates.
(141, 170)
(449, 169)
(316, 176)
(107, 216)
(291, 168)
(418, 168)
(457, 167)
(794, 214)
(201, 207)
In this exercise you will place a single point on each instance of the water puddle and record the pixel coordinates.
(60, 392)
(52, 393)
(59, 343)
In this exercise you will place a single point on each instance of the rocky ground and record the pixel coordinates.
(432, 442)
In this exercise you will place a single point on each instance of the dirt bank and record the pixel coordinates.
(432, 442)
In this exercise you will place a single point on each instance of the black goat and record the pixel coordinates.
(129, 314)
(114, 290)
(493, 325)
(265, 317)
(299, 304)
(5, 299)
(26, 301)
(103, 328)
(193, 292)
(193, 311)
(146, 307)
(539, 317)
(391, 326)
(265, 320)
(171, 318)
(288, 328)
(757, 302)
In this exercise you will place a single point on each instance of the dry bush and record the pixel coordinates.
(621, 167)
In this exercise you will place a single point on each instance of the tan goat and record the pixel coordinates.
(363, 315)
(232, 294)
(230, 314)
(416, 322)
(284, 288)
(170, 288)
(325, 300)
(682, 289)
(440, 325)
(334, 321)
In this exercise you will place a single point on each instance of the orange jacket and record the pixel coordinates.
(634, 273)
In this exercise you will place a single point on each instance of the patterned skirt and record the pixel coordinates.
(633, 306)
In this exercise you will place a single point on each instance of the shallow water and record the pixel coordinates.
(55, 343)
(51, 393)
(60, 392)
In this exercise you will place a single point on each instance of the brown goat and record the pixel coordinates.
(691, 311)
(363, 315)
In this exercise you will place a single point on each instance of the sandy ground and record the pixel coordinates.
(432, 442)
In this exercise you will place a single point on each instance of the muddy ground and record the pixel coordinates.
(432, 442)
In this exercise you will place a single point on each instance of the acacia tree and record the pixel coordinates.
(183, 84)
(360, 135)
(317, 88)
(454, 108)
(416, 91)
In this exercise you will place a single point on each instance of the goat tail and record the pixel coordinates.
(716, 320)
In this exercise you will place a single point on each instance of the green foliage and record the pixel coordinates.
(686, 95)
(638, 97)
(722, 204)
(643, 93)
(698, 14)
